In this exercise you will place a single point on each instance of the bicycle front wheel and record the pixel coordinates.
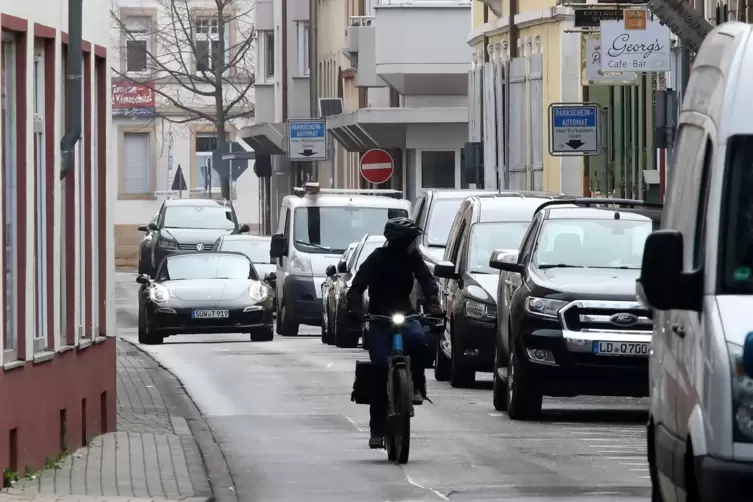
(401, 422)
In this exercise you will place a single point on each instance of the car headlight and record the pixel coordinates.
(742, 396)
(257, 292)
(159, 294)
(299, 264)
(165, 244)
(543, 307)
(481, 311)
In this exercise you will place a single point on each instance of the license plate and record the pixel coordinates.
(211, 314)
(621, 348)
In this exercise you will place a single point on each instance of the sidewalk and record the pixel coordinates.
(153, 456)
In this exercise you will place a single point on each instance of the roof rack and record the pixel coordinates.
(314, 189)
(600, 202)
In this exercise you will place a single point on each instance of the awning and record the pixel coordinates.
(370, 128)
(265, 138)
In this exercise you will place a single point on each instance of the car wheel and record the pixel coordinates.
(263, 335)
(499, 386)
(327, 335)
(461, 376)
(441, 364)
(150, 337)
(278, 320)
(345, 338)
(142, 322)
(287, 327)
(523, 399)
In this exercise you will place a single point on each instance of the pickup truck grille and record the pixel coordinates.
(606, 316)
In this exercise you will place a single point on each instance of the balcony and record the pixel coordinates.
(420, 47)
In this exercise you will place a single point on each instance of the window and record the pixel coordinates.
(256, 250)
(438, 169)
(737, 219)
(40, 240)
(368, 247)
(330, 229)
(135, 163)
(267, 48)
(137, 32)
(84, 274)
(207, 176)
(208, 266)
(10, 208)
(214, 217)
(302, 28)
(440, 221)
(606, 243)
(487, 237)
(210, 55)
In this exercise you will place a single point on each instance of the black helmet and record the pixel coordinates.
(401, 230)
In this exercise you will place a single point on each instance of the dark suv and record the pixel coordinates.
(569, 320)
(185, 225)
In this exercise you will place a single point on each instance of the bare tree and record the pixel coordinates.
(198, 58)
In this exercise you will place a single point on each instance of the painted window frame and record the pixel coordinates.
(138, 29)
(83, 274)
(10, 201)
(149, 164)
(419, 166)
(40, 339)
(302, 33)
(266, 63)
(94, 221)
(210, 36)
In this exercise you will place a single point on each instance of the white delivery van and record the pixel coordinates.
(315, 227)
(697, 275)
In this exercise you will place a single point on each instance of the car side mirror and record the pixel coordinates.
(143, 228)
(245, 229)
(277, 247)
(270, 277)
(331, 271)
(748, 355)
(342, 267)
(153, 226)
(445, 270)
(143, 279)
(663, 285)
(500, 258)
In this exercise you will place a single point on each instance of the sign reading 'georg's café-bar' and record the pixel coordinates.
(635, 50)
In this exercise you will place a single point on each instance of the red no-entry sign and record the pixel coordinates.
(377, 166)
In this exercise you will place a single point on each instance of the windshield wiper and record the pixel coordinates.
(620, 267)
(317, 246)
(558, 265)
(432, 245)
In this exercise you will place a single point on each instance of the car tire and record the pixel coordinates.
(523, 398)
(441, 364)
(327, 335)
(461, 377)
(287, 328)
(142, 321)
(499, 386)
(364, 338)
(263, 335)
(150, 338)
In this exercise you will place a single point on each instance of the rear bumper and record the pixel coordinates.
(725, 480)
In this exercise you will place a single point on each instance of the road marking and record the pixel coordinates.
(354, 423)
(432, 490)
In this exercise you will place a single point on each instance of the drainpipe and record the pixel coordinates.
(513, 30)
(73, 88)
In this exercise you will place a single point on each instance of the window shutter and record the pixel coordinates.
(136, 163)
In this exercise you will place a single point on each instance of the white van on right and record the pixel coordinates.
(697, 276)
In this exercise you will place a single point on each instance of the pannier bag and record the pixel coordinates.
(362, 386)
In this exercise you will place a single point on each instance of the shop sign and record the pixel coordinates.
(637, 50)
(132, 100)
(590, 18)
(592, 73)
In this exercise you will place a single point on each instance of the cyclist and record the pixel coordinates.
(388, 273)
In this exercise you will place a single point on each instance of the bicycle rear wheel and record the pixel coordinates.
(401, 422)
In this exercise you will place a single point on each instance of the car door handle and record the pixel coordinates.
(679, 330)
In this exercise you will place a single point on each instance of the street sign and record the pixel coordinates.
(590, 18)
(574, 129)
(307, 140)
(179, 182)
(377, 166)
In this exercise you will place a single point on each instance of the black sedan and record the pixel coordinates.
(209, 292)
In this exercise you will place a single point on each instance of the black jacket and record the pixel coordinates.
(389, 274)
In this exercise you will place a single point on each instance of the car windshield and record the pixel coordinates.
(441, 216)
(206, 266)
(211, 217)
(592, 243)
(330, 229)
(368, 248)
(486, 237)
(256, 250)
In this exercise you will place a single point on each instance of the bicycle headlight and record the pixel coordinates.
(159, 294)
(257, 292)
(398, 319)
(543, 307)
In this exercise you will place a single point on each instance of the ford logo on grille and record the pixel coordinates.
(624, 320)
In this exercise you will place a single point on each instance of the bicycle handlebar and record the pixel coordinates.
(412, 317)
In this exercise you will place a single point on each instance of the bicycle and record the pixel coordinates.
(399, 390)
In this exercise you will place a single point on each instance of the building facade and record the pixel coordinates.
(164, 124)
(57, 380)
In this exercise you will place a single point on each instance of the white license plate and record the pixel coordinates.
(211, 314)
(621, 348)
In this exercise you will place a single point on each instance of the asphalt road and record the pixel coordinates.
(282, 415)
